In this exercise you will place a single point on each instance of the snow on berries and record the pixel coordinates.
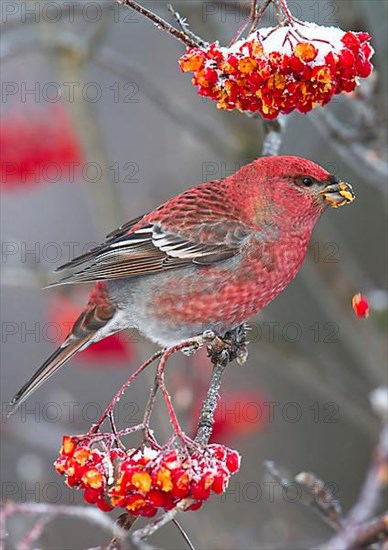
(278, 70)
(144, 480)
(85, 468)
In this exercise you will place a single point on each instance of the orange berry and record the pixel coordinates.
(277, 81)
(247, 65)
(142, 481)
(68, 445)
(163, 479)
(93, 478)
(136, 502)
(305, 51)
(192, 62)
(82, 455)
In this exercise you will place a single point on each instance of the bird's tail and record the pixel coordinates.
(60, 356)
(91, 325)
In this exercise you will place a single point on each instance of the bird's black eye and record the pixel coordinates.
(307, 182)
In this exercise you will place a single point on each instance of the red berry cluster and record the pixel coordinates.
(144, 480)
(276, 71)
(85, 468)
(150, 480)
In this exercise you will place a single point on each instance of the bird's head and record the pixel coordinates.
(298, 188)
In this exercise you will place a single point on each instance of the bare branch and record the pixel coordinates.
(185, 27)
(355, 531)
(125, 522)
(372, 532)
(221, 352)
(274, 130)
(370, 494)
(322, 501)
(251, 17)
(49, 511)
(139, 536)
(122, 390)
(33, 535)
(373, 169)
(160, 23)
(183, 533)
(259, 14)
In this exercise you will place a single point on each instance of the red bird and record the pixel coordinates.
(207, 259)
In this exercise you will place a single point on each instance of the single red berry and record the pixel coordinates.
(360, 306)
(233, 462)
(351, 41)
(346, 58)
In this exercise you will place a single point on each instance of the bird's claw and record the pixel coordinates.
(191, 348)
(231, 346)
(222, 349)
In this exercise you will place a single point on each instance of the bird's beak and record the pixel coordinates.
(338, 194)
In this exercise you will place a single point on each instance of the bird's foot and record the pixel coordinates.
(193, 346)
(232, 345)
(222, 349)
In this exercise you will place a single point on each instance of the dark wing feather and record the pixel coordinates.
(132, 257)
(94, 252)
(211, 234)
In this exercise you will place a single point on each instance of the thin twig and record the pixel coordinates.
(322, 503)
(259, 15)
(138, 537)
(160, 23)
(160, 376)
(372, 169)
(123, 389)
(112, 421)
(241, 30)
(88, 513)
(33, 535)
(185, 27)
(322, 499)
(286, 9)
(372, 532)
(279, 13)
(125, 522)
(148, 411)
(183, 533)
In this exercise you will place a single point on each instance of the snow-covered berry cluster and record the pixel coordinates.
(144, 480)
(278, 70)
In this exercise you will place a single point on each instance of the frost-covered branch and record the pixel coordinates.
(356, 524)
(274, 132)
(357, 530)
(49, 512)
(182, 36)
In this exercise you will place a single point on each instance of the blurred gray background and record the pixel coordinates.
(152, 137)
